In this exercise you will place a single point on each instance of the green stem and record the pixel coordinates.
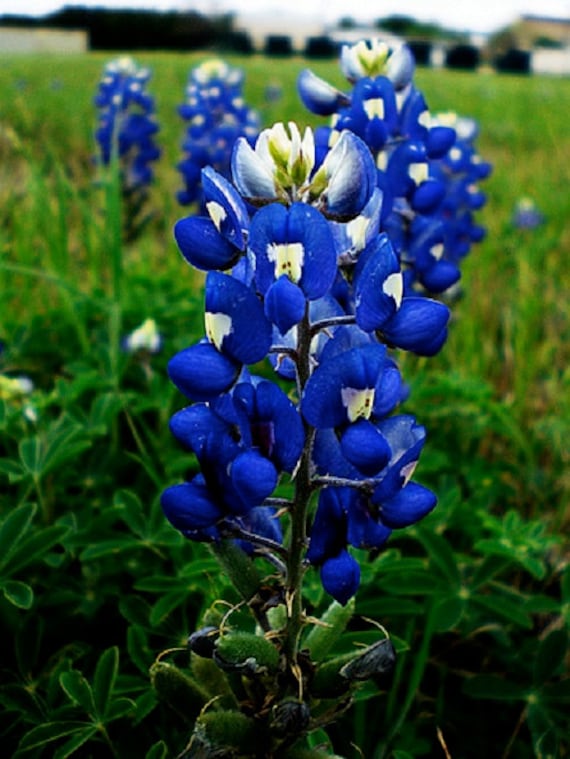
(303, 488)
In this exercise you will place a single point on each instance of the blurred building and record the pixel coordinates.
(42, 40)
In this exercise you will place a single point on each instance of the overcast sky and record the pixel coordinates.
(475, 15)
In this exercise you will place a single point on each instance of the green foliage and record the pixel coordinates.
(99, 594)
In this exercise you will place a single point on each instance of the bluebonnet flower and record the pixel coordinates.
(299, 272)
(526, 214)
(216, 115)
(126, 130)
(427, 167)
(144, 338)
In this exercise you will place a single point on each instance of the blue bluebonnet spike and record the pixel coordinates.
(127, 128)
(216, 116)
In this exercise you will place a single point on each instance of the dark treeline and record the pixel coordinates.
(137, 30)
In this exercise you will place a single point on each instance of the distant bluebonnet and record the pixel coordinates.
(526, 214)
(300, 275)
(216, 115)
(427, 168)
(127, 129)
(143, 339)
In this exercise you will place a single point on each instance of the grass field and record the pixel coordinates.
(496, 403)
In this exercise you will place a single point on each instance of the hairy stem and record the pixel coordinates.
(298, 511)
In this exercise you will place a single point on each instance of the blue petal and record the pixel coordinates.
(234, 219)
(284, 304)
(246, 334)
(188, 506)
(308, 235)
(287, 437)
(328, 530)
(194, 425)
(202, 245)
(254, 478)
(408, 506)
(358, 369)
(251, 175)
(201, 372)
(341, 577)
(440, 277)
(363, 530)
(439, 140)
(351, 173)
(420, 326)
(365, 447)
(318, 96)
(378, 285)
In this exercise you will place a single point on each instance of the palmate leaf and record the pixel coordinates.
(104, 679)
(78, 690)
(34, 547)
(13, 528)
(504, 608)
(550, 655)
(75, 742)
(19, 594)
(39, 736)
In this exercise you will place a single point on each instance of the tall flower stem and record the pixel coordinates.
(303, 486)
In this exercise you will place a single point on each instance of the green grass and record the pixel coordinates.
(88, 537)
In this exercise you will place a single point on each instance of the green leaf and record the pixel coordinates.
(489, 568)
(111, 547)
(78, 690)
(165, 606)
(65, 442)
(158, 751)
(35, 547)
(494, 688)
(440, 554)
(18, 593)
(12, 468)
(30, 450)
(139, 650)
(75, 742)
(118, 708)
(550, 655)
(130, 509)
(504, 608)
(557, 692)
(48, 732)
(411, 584)
(13, 529)
(447, 613)
(104, 679)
